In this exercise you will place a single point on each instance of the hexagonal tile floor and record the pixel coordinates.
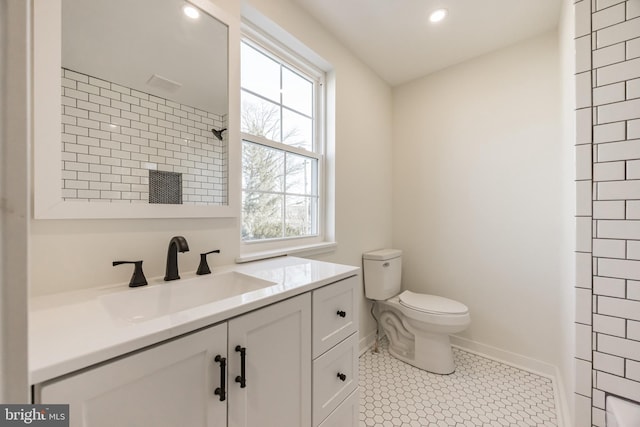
(481, 392)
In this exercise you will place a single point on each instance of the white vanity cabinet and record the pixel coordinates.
(293, 363)
(168, 385)
(335, 352)
(277, 340)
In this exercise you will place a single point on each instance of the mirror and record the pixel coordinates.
(144, 125)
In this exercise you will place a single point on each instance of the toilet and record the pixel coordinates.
(417, 325)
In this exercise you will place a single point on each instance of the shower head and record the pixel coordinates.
(218, 133)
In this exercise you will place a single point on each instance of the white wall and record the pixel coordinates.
(76, 254)
(478, 171)
(14, 209)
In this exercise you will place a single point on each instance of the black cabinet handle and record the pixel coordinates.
(221, 391)
(341, 313)
(342, 376)
(242, 379)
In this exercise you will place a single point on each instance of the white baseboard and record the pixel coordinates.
(514, 359)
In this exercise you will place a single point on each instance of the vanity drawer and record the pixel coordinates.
(335, 313)
(347, 414)
(335, 376)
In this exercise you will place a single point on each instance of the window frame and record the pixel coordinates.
(262, 248)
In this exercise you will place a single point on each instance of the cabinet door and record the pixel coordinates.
(170, 385)
(277, 340)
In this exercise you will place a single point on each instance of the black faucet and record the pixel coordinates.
(177, 243)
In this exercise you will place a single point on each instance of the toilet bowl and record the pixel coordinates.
(417, 325)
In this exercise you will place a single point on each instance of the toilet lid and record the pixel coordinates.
(432, 303)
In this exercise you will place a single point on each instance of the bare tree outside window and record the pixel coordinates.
(279, 183)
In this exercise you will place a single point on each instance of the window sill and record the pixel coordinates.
(304, 250)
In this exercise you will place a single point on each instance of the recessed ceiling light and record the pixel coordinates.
(438, 15)
(191, 12)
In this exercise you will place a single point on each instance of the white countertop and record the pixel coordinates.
(74, 330)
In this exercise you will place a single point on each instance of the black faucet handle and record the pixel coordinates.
(138, 278)
(203, 268)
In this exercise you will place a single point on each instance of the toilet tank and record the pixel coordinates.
(382, 273)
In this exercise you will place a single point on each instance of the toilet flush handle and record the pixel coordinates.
(386, 264)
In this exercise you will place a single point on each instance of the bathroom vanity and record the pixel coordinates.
(269, 343)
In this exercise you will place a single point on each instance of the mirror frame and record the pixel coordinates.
(47, 151)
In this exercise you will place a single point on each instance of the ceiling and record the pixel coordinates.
(395, 38)
(127, 42)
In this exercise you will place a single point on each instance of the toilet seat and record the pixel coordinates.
(431, 304)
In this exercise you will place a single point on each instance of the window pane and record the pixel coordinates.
(261, 215)
(301, 172)
(259, 73)
(300, 216)
(297, 92)
(260, 117)
(280, 194)
(262, 168)
(297, 130)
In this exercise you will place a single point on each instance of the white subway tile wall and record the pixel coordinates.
(607, 119)
(609, 133)
(113, 135)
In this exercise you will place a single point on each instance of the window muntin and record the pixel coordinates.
(281, 155)
(279, 193)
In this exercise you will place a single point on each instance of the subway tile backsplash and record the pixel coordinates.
(608, 337)
(112, 136)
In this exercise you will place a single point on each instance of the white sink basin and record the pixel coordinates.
(161, 299)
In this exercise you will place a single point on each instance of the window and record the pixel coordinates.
(282, 147)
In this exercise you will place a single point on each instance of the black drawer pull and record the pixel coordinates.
(242, 379)
(342, 376)
(341, 313)
(221, 391)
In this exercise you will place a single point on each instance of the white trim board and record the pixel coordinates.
(514, 359)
